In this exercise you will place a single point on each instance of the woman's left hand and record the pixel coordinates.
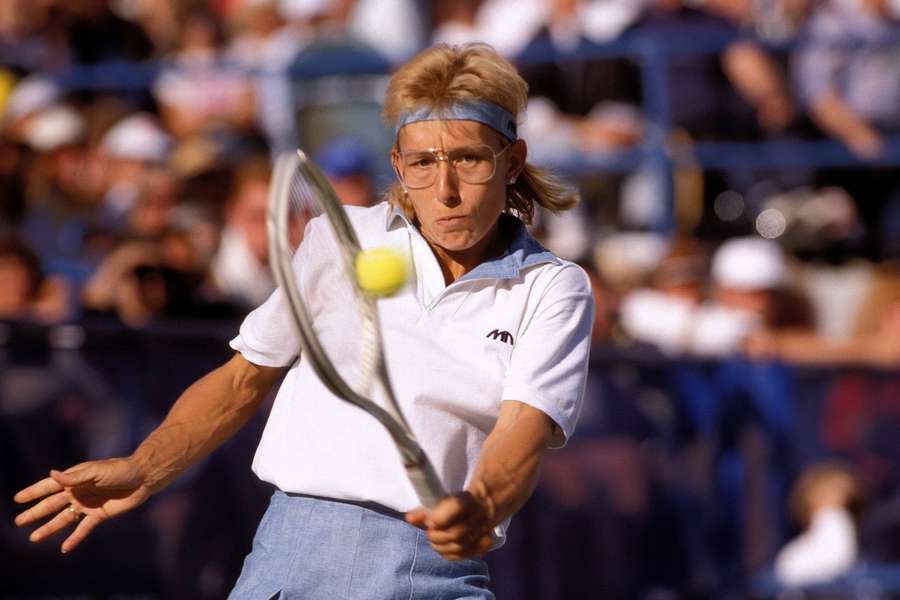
(458, 527)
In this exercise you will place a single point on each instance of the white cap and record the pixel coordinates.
(749, 263)
(303, 9)
(138, 137)
(32, 94)
(54, 128)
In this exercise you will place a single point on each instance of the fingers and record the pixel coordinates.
(455, 509)
(42, 488)
(462, 533)
(84, 528)
(56, 482)
(418, 517)
(63, 519)
(473, 545)
(44, 508)
(458, 527)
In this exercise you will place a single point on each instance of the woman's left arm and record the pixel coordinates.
(504, 478)
(543, 388)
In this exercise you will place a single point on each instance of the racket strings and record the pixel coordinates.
(360, 350)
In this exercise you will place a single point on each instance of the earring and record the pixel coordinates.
(511, 180)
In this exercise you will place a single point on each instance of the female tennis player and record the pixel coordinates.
(487, 349)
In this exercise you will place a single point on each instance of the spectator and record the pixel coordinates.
(827, 501)
(22, 44)
(25, 293)
(749, 293)
(160, 19)
(265, 40)
(134, 147)
(94, 33)
(142, 282)
(847, 74)
(586, 105)
(14, 160)
(63, 205)
(28, 98)
(152, 212)
(507, 25)
(348, 165)
(873, 343)
(199, 93)
(240, 268)
(662, 313)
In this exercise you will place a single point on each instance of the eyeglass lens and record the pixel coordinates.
(473, 164)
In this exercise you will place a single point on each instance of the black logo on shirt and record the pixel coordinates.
(504, 336)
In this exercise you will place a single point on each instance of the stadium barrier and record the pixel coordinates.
(620, 510)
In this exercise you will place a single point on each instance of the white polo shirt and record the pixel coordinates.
(514, 328)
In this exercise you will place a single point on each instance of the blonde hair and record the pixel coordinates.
(443, 75)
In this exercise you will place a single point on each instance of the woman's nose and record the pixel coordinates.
(446, 184)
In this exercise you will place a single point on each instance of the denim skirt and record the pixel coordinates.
(318, 549)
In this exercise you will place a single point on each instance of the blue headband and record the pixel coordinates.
(487, 113)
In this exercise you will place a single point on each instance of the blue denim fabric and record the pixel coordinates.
(311, 548)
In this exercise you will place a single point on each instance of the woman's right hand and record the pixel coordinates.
(84, 496)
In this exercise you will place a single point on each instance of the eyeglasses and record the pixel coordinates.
(472, 164)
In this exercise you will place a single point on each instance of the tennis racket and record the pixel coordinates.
(300, 192)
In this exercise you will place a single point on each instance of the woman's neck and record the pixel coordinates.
(455, 264)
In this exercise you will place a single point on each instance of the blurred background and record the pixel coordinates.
(739, 168)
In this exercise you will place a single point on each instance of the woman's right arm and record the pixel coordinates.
(209, 412)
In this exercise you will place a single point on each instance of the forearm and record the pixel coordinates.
(753, 73)
(809, 349)
(837, 119)
(508, 467)
(209, 412)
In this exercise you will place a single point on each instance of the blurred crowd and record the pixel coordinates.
(146, 201)
(137, 194)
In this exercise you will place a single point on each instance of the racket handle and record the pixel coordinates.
(425, 481)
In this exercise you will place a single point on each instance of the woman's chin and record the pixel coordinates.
(458, 241)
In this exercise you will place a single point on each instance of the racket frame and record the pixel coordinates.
(419, 470)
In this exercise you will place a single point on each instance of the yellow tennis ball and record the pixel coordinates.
(381, 271)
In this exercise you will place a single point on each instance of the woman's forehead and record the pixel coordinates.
(441, 134)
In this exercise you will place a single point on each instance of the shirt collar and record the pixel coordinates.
(394, 216)
(524, 251)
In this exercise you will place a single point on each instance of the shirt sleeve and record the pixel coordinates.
(548, 366)
(267, 336)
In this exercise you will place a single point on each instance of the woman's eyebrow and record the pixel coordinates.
(451, 149)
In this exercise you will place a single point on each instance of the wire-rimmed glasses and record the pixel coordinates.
(473, 164)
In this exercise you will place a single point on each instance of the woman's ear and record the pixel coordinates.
(395, 165)
(518, 152)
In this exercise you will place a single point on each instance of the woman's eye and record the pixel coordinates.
(421, 163)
